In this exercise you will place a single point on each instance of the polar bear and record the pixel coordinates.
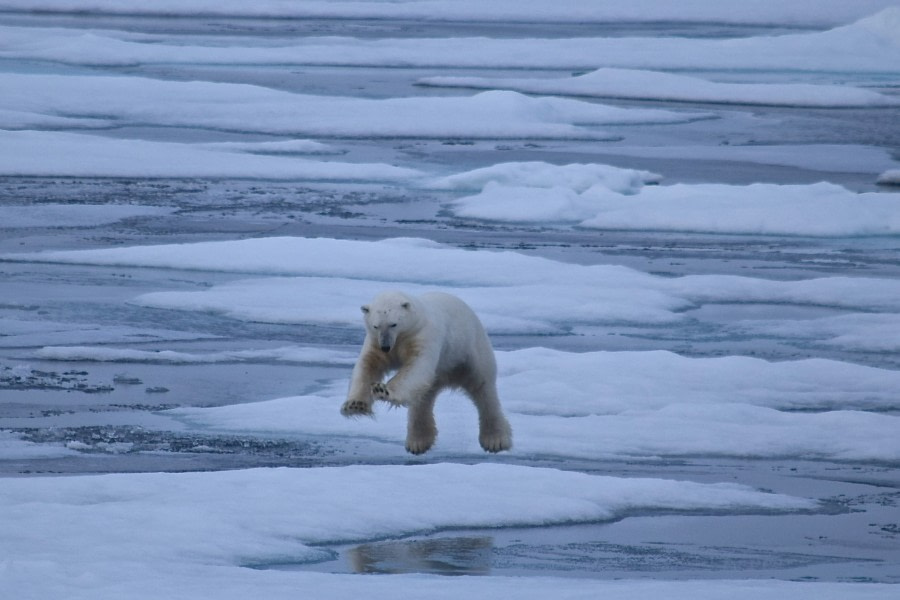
(433, 341)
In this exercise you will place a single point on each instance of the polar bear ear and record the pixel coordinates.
(364, 308)
(405, 305)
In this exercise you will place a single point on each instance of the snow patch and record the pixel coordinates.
(655, 85)
(14, 447)
(890, 177)
(321, 280)
(289, 354)
(39, 153)
(759, 12)
(604, 405)
(768, 209)
(247, 108)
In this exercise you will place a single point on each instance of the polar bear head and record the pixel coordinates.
(389, 316)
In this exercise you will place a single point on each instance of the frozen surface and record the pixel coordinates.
(653, 85)
(284, 354)
(869, 45)
(687, 268)
(13, 447)
(802, 12)
(321, 280)
(825, 158)
(207, 526)
(579, 177)
(81, 215)
(758, 208)
(246, 108)
(602, 408)
(41, 153)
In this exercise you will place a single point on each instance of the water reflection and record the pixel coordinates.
(439, 556)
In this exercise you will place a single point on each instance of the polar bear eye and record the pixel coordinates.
(393, 325)
(374, 326)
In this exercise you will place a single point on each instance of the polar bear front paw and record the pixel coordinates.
(380, 391)
(356, 408)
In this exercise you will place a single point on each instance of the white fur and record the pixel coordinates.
(433, 341)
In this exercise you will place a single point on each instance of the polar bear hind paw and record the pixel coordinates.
(419, 445)
(495, 441)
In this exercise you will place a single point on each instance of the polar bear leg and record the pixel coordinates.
(421, 429)
(494, 432)
(369, 369)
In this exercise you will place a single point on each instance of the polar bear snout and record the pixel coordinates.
(386, 341)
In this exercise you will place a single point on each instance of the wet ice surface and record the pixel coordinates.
(113, 415)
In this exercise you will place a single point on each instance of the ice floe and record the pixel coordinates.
(194, 535)
(760, 12)
(890, 177)
(287, 354)
(247, 108)
(654, 85)
(540, 381)
(578, 177)
(42, 153)
(29, 333)
(869, 45)
(594, 405)
(768, 209)
(627, 406)
(14, 447)
(861, 332)
(321, 280)
(199, 529)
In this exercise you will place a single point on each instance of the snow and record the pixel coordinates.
(867, 46)
(599, 383)
(890, 177)
(322, 280)
(40, 153)
(209, 526)
(25, 332)
(236, 584)
(799, 12)
(605, 407)
(289, 354)
(854, 332)
(654, 85)
(81, 101)
(248, 108)
(13, 447)
(579, 177)
(281, 147)
(769, 209)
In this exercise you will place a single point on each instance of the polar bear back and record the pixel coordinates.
(456, 325)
